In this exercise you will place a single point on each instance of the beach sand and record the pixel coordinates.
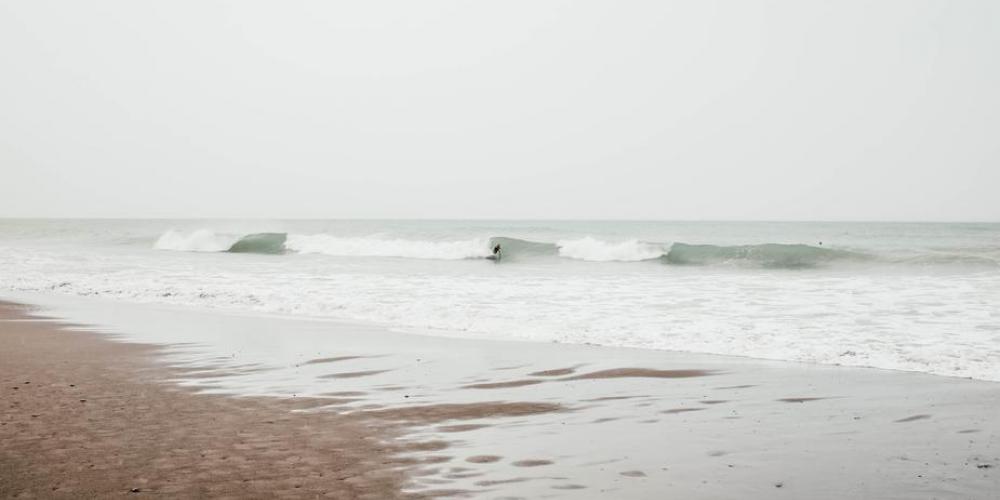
(270, 407)
(85, 417)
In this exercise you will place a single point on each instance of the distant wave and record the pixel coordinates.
(589, 249)
(771, 255)
(383, 247)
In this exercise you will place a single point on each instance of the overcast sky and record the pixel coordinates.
(886, 110)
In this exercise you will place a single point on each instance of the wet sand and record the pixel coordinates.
(225, 405)
(86, 417)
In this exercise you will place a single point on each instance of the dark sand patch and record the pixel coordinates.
(319, 361)
(569, 487)
(346, 394)
(606, 419)
(502, 385)
(969, 431)
(612, 398)
(533, 462)
(558, 372)
(211, 373)
(714, 401)
(311, 403)
(464, 411)
(366, 373)
(640, 373)
(429, 471)
(436, 445)
(633, 473)
(504, 368)
(461, 427)
(443, 494)
(495, 482)
(484, 459)
(799, 400)
(680, 410)
(913, 418)
(463, 475)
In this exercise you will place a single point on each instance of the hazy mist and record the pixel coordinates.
(884, 110)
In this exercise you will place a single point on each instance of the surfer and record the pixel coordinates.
(496, 252)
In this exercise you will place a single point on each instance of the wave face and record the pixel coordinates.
(769, 255)
(515, 249)
(264, 243)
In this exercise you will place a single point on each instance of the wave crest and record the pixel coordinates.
(380, 247)
(591, 249)
(768, 255)
(202, 240)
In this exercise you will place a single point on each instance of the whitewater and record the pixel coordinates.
(918, 297)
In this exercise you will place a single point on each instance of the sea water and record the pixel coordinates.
(909, 296)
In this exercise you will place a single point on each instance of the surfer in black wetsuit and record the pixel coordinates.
(496, 251)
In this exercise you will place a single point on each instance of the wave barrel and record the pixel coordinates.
(265, 243)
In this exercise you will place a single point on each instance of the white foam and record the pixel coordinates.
(931, 321)
(384, 247)
(202, 240)
(595, 250)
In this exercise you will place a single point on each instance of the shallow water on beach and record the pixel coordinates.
(920, 297)
(497, 418)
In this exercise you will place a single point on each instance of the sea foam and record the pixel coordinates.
(202, 240)
(388, 247)
(592, 249)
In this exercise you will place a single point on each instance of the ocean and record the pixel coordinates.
(905, 296)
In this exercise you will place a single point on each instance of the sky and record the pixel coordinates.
(693, 110)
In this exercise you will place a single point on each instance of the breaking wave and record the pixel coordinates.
(201, 240)
(589, 249)
(516, 249)
(595, 250)
(265, 243)
(204, 240)
(380, 247)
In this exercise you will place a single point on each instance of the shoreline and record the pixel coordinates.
(58, 300)
(434, 416)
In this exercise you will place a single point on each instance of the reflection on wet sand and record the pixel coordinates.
(365, 373)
